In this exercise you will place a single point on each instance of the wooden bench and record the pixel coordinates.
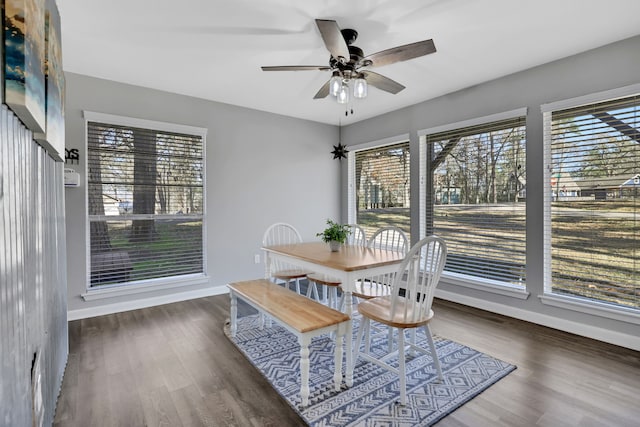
(300, 315)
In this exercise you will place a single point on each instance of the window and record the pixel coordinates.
(474, 196)
(592, 201)
(380, 187)
(145, 197)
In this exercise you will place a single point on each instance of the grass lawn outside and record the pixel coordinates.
(608, 272)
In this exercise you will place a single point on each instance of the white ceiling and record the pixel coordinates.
(213, 49)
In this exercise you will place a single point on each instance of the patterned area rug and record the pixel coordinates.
(372, 399)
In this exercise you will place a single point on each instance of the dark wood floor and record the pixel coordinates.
(172, 366)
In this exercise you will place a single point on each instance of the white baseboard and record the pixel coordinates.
(585, 330)
(589, 331)
(83, 313)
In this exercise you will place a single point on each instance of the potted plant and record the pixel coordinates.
(335, 234)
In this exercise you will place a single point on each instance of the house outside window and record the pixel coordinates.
(474, 195)
(592, 201)
(379, 187)
(145, 198)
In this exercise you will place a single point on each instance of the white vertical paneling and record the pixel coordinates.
(33, 287)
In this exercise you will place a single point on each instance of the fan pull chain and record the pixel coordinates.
(347, 110)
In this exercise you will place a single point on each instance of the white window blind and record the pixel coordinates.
(145, 201)
(382, 187)
(592, 208)
(475, 198)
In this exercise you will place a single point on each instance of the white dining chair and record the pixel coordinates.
(388, 238)
(408, 306)
(357, 236)
(282, 233)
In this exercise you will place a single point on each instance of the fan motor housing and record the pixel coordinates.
(356, 54)
(350, 35)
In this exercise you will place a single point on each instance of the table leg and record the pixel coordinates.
(304, 368)
(349, 311)
(234, 313)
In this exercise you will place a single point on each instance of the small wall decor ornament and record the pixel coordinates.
(24, 58)
(72, 156)
(339, 151)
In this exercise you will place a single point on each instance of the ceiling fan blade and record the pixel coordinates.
(323, 92)
(400, 53)
(333, 39)
(296, 68)
(382, 82)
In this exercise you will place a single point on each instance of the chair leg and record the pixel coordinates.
(334, 298)
(402, 375)
(367, 337)
(298, 286)
(343, 303)
(356, 349)
(390, 339)
(310, 288)
(434, 354)
(412, 351)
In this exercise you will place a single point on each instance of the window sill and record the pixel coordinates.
(485, 285)
(113, 291)
(591, 307)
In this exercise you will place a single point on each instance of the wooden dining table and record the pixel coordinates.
(348, 264)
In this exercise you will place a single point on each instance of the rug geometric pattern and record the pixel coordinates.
(371, 401)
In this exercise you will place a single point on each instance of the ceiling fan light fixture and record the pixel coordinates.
(335, 83)
(346, 62)
(360, 87)
(343, 94)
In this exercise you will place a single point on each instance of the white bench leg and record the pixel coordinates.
(349, 312)
(234, 313)
(304, 341)
(337, 361)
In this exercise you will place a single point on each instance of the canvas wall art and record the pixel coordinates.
(24, 58)
(53, 137)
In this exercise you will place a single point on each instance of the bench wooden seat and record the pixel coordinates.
(300, 315)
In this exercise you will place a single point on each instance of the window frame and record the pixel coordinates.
(145, 285)
(477, 283)
(548, 297)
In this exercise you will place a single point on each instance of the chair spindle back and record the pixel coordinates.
(417, 278)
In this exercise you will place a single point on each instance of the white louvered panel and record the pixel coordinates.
(32, 273)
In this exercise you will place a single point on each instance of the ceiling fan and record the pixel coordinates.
(349, 64)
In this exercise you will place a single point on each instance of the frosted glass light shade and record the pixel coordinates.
(343, 94)
(360, 88)
(335, 84)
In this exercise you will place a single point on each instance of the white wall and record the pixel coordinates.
(260, 168)
(601, 69)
